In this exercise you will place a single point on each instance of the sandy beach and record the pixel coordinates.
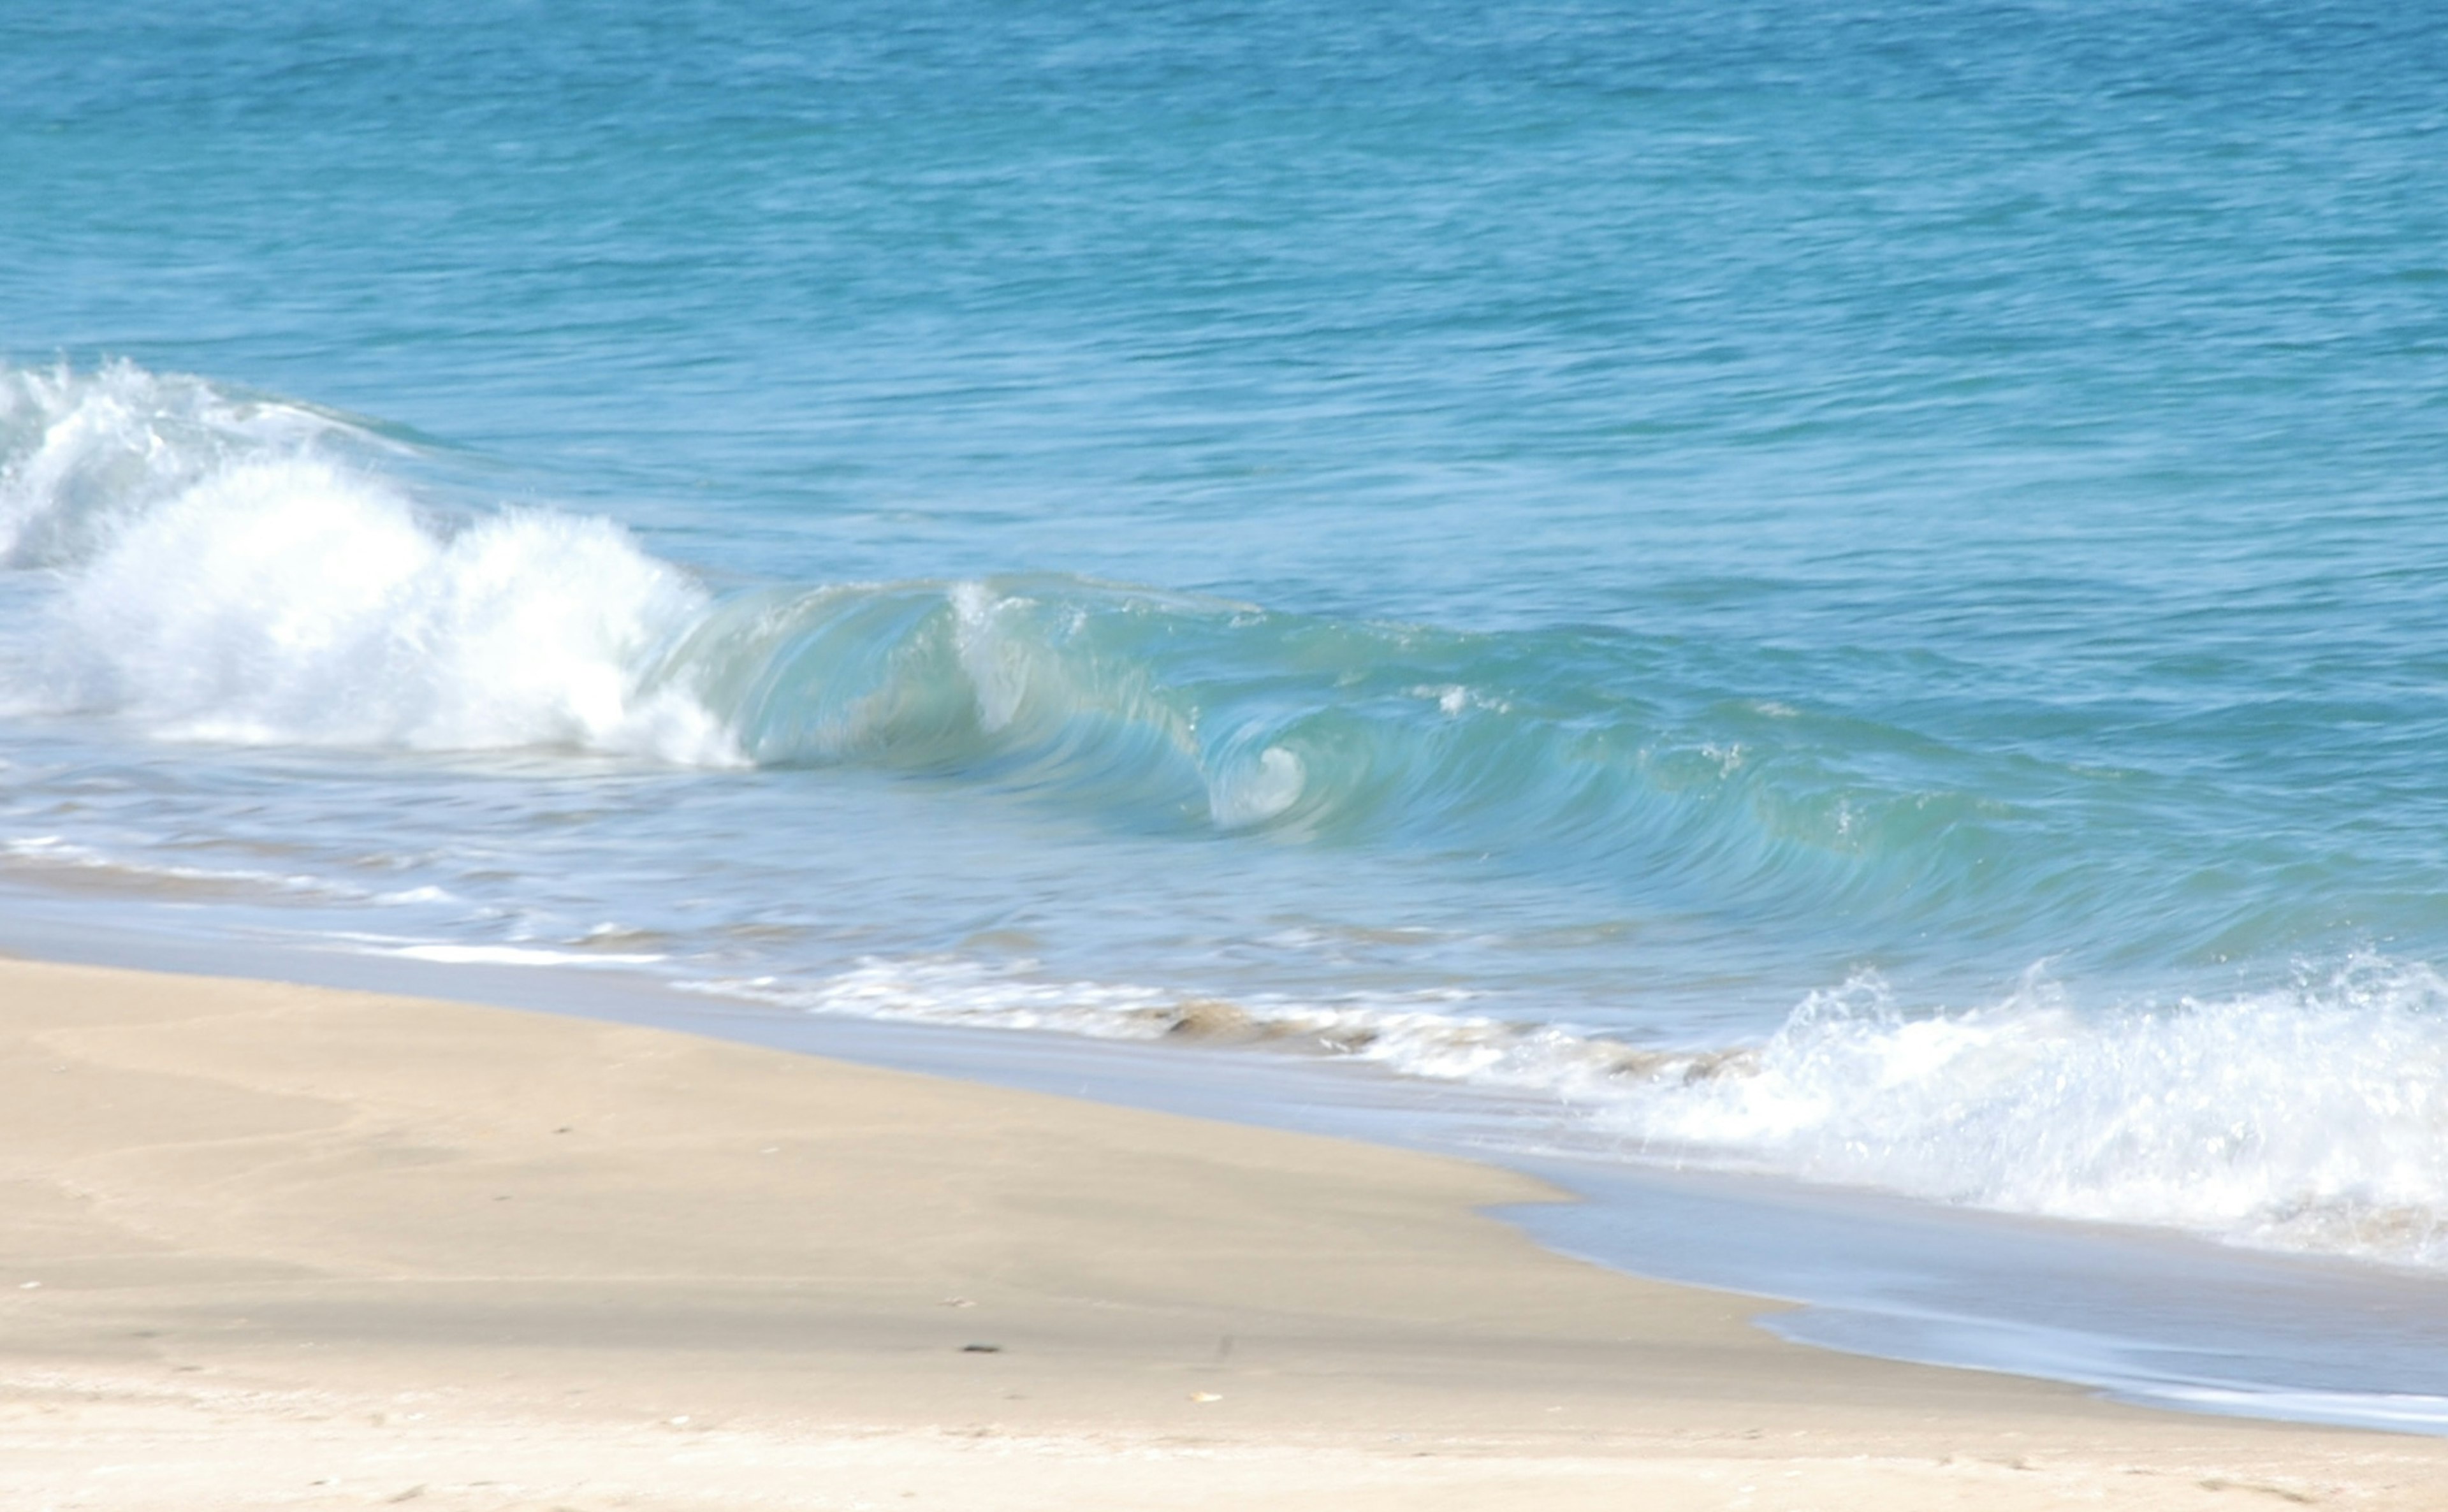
(267, 1246)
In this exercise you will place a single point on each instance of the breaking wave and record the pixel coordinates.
(240, 569)
(224, 575)
(2309, 1116)
(205, 564)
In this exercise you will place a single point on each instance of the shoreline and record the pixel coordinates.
(282, 1246)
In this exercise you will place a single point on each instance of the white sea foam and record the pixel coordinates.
(80, 454)
(1017, 996)
(2312, 1117)
(222, 577)
(56, 854)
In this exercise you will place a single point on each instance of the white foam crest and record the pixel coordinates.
(81, 451)
(2313, 1116)
(219, 577)
(287, 600)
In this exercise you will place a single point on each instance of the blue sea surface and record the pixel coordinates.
(1852, 593)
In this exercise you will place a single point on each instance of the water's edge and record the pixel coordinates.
(2145, 1317)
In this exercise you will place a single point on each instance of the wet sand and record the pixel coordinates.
(269, 1246)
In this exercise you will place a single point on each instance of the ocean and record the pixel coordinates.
(1844, 601)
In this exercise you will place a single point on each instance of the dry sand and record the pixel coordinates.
(267, 1246)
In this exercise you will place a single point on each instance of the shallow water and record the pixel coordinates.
(1845, 596)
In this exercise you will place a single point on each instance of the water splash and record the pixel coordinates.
(2312, 1115)
(224, 576)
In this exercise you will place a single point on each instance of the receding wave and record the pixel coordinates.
(2309, 1117)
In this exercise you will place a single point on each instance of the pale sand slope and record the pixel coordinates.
(311, 1248)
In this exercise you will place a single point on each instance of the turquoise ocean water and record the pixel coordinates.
(1857, 593)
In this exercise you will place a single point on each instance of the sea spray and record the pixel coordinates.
(80, 454)
(289, 602)
(225, 576)
(2313, 1114)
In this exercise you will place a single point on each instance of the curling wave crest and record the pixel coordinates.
(2310, 1117)
(242, 570)
(211, 565)
(229, 568)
